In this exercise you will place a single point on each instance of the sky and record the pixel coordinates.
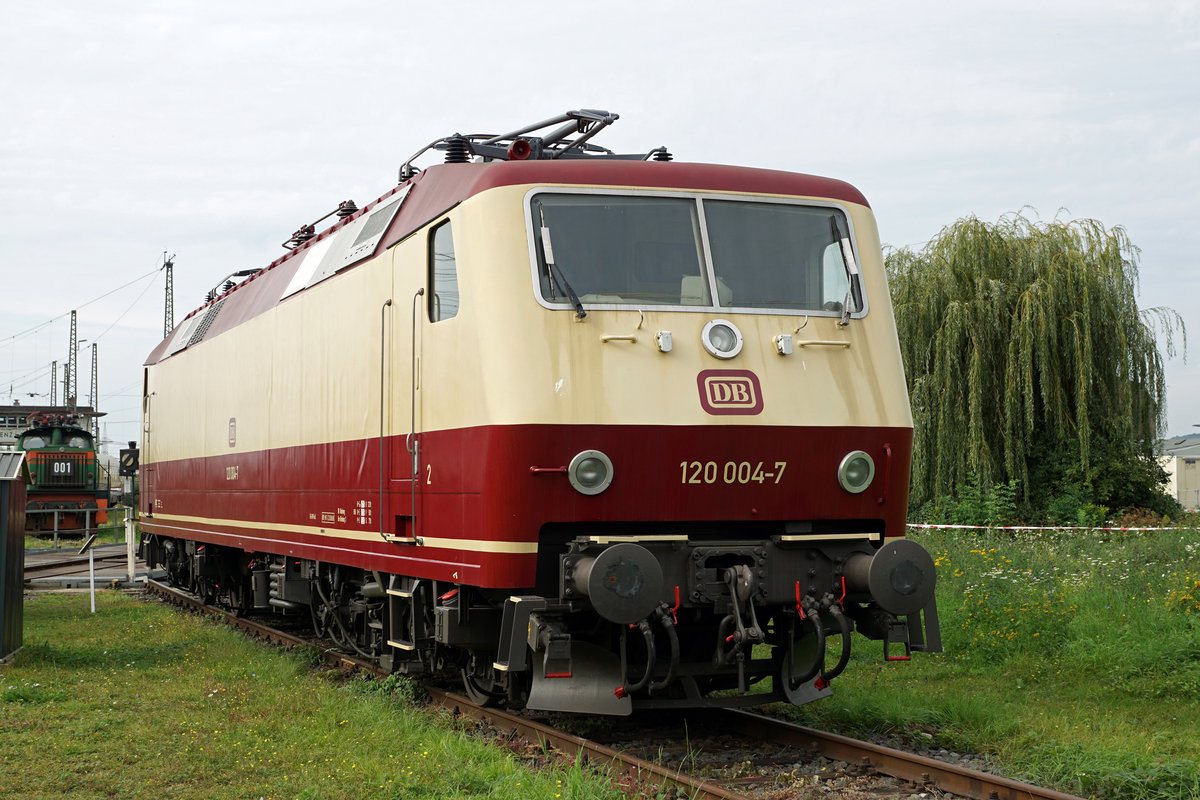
(212, 130)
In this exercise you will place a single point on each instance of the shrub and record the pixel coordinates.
(977, 504)
(1138, 518)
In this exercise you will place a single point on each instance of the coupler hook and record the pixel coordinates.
(741, 592)
(747, 631)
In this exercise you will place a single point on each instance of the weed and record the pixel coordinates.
(976, 504)
(395, 686)
(1069, 655)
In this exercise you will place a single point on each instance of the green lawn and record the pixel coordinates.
(142, 701)
(1074, 657)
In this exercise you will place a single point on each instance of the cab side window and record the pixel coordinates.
(443, 274)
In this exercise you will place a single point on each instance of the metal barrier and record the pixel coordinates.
(117, 529)
(123, 531)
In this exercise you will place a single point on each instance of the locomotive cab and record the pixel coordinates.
(686, 311)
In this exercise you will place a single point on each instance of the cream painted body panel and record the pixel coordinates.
(304, 372)
(308, 371)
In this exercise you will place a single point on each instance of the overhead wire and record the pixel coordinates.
(6, 341)
(136, 300)
(29, 377)
(17, 382)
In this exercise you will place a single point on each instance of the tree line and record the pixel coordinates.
(1036, 382)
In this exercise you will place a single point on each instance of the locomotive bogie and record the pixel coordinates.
(694, 608)
(585, 435)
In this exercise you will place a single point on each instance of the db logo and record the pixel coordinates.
(729, 391)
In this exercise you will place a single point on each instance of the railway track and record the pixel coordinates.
(763, 738)
(74, 566)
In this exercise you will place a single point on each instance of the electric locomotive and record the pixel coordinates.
(589, 431)
(68, 485)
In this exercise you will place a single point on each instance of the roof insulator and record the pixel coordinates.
(458, 150)
(662, 154)
(346, 208)
(301, 236)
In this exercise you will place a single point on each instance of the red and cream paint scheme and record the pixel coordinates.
(318, 414)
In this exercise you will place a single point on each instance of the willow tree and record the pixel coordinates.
(1028, 359)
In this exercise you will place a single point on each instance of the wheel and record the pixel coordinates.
(239, 596)
(207, 591)
(477, 680)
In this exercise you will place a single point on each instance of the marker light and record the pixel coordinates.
(721, 338)
(590, 472)
(856, 472)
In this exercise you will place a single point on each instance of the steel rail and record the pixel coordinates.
(256, 629)
(621, 765)
(916, 769)
(69, 564)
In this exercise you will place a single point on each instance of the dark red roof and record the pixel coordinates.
(441, 187)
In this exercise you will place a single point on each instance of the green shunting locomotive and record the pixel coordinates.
(65, 475)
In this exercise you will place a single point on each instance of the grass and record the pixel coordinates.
(1073, 657)
(141, 701)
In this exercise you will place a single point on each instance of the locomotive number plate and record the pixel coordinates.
(730, 472)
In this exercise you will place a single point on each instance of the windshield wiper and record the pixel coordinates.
(554, 271)
(854, 300)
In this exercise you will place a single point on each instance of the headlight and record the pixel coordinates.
(721, 338)
(590, 472)
(856, 471)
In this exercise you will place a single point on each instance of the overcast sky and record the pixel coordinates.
(212, 130)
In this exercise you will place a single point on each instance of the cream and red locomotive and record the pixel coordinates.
(592, 431)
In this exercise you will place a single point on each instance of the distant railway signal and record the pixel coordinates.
(129, 462)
